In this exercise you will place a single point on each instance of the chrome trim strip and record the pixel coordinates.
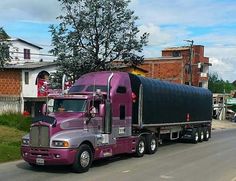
(173, 124)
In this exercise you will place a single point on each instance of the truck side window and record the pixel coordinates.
(122, 112)
(121, 90)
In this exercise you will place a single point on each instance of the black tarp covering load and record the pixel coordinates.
(165, 102)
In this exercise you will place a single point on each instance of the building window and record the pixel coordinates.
(27, 54)
(201, 68)
(122, 112)
(200, 84)
(26, 77)
(186, 83)
(176, 54)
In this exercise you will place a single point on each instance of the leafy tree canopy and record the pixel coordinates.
(4, 47)
(217, 85)
(91, 34)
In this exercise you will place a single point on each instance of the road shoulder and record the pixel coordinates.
(222, 125)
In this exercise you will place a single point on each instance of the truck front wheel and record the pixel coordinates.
(140, 147)
(83, 159)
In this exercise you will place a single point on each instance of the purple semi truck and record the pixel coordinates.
(110, 113)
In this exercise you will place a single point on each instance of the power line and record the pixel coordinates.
(43, 54)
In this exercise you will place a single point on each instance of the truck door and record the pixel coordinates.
(121, 113)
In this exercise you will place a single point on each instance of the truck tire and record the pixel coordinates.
(201, 134)
(140, 147)
(83, 159)
(206, 134)
(151, 144)
(195, 135)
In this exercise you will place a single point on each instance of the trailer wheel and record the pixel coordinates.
(140, 147)
(195, 136)
(206, 134)
(201, 135)
(151, 144)
(83, 159)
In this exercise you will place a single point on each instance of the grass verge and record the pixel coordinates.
(15, 120)
(10, 141)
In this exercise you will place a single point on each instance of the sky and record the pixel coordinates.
(211, 23)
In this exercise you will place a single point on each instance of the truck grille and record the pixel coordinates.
(39, 136)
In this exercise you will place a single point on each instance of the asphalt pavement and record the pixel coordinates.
(214, 160)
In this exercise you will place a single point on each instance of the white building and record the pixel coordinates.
(23, 51)
(22, 79)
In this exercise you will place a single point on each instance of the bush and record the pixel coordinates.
(16, 120)
(10, 141)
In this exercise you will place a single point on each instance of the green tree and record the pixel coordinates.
(217, 85)
(4, 47)
(91, 34)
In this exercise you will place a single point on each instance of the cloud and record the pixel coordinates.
(156, 35)
(223, 60)
(161, 36)
(29, 10)
(220, 47)
(182, 12)
(133, 3)
(224, 68)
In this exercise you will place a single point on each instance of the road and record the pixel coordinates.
(214, 160)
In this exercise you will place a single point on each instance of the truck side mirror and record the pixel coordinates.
(101, 110)
(44, 109)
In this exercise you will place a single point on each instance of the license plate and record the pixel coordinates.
(39, 161)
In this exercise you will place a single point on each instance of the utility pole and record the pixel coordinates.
(190, 60)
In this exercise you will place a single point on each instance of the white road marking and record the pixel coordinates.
(167, 177)
(126, 171)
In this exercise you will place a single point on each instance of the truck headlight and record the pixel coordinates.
(60, 143)
(25, 142)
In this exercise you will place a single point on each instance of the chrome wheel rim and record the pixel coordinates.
(141, 147)
(202, 135)
(196, 136)
(153, 144)
(207, 134)
(84, 159)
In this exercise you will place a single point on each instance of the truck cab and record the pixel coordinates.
(92, 121)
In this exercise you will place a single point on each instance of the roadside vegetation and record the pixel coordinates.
(218, 85)
(12, 127)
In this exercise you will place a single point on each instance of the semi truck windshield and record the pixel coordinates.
(69, 105)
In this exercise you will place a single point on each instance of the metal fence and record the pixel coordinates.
(10, 104)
